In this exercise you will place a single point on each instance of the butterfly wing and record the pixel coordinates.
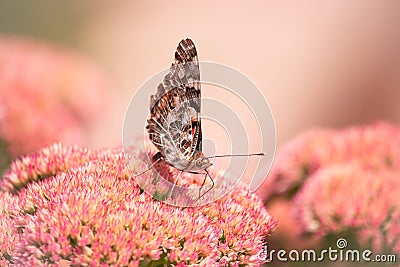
(174, 125)
(186, 52)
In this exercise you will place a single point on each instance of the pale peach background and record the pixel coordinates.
(319, 63)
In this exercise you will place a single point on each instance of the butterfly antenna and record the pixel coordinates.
(148, 169)
(238, 155)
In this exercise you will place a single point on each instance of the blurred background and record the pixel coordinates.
(322, 63)
(318, 63)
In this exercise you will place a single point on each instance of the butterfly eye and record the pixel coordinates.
(198, 162)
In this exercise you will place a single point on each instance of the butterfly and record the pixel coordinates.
(174, 124)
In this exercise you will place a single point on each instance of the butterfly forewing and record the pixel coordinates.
(174, 126)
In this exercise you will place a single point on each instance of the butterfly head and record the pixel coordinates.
(202, 163)
(199, 162)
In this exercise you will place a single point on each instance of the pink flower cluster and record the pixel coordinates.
(74, 207)
(373, 147)
(43, 89)
(344, 197)
(340, 181)
(45, 163)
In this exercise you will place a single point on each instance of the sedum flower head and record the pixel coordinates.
(344, 198)
(43, 89)
(339, 182)
(373, 147)
(75, 207)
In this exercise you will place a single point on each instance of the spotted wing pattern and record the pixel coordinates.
(174, 125)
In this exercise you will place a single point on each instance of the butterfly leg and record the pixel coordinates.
(204, 181)
(148, 169)
(175, 183)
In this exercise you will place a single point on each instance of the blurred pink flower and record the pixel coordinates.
(344, 198)
(89, 211)
(373, 146)
(47, 94)
(340, 181)
(296, 160)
